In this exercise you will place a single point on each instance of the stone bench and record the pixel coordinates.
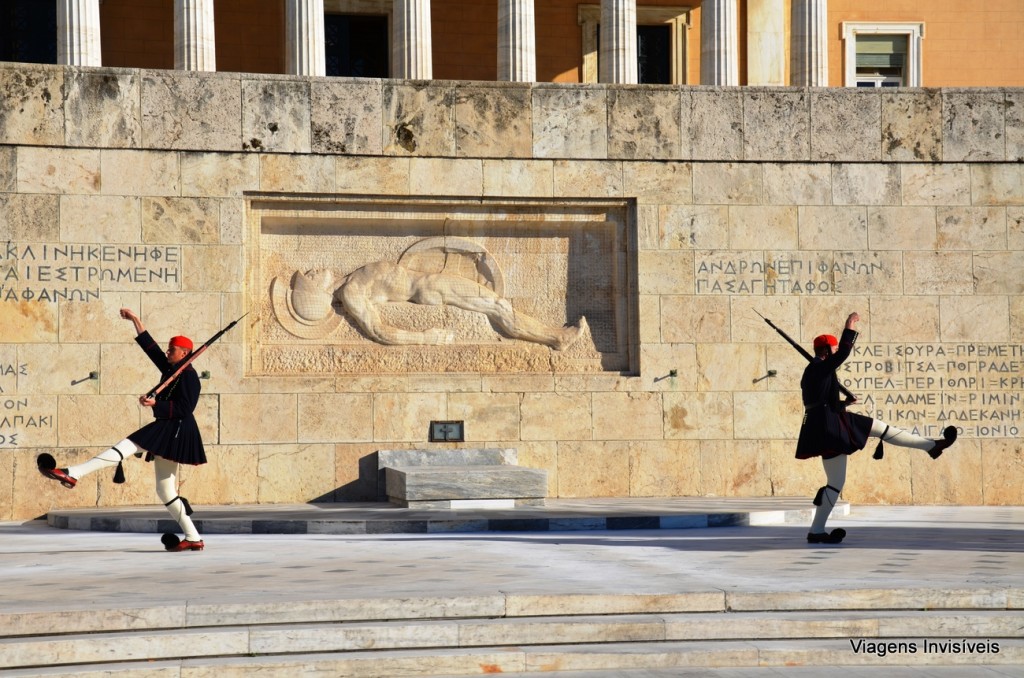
(448, 479)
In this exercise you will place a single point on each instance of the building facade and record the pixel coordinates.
(818, 43)
(633, 230)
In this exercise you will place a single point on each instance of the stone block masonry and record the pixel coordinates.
(664, 216)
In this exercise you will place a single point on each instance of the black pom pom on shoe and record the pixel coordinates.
(46, 462)
(170, 541)
(948, 438)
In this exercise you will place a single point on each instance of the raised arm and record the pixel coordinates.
(129, 314)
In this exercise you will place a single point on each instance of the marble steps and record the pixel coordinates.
(426, 647)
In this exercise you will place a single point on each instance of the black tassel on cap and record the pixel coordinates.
(119, 473)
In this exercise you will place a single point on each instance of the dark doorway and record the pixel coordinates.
(357, 45)
(28, 31)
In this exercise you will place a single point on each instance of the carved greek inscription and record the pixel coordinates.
(66, 272)
(751, 273)
(926, 387)
(24, 421)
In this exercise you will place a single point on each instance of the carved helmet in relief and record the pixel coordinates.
(312, 294)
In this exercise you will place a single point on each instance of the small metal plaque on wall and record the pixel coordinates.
(447, 432)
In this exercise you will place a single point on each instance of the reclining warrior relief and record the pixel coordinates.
(432, 272)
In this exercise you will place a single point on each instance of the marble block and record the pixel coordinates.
(103, 108)
(409, 485)
(493, 120)
(643, 123)
(470, 457)
(31, 105)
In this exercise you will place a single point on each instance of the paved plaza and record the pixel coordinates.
(929, 555)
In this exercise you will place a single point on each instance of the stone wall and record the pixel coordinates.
(669, 214)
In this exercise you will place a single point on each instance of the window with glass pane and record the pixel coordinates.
(881, 60)
(28, 31)
(356, 45)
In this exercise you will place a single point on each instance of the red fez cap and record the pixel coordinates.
(185, 342)
(823, 340)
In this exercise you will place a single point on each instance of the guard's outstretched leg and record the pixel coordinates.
(948, 438)
(47, 465)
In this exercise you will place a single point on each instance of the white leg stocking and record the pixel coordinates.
(167, 491)
(899, 437)
(107, 459)
(835, 478)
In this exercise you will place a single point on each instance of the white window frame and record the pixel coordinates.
(913, 31)
(589, 18)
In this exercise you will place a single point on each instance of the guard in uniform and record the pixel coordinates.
(172, 437)
(830, 432)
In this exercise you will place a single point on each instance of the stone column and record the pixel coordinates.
(809, 49)
(766, 42)
(304, 37)
(78, 33)
(517, 43)
(719, 54)
(194, 43)
(411, 45)
(618, 62)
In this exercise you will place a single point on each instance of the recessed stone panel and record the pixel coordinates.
(423, 287)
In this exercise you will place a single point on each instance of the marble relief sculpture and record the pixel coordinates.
(440, 271)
